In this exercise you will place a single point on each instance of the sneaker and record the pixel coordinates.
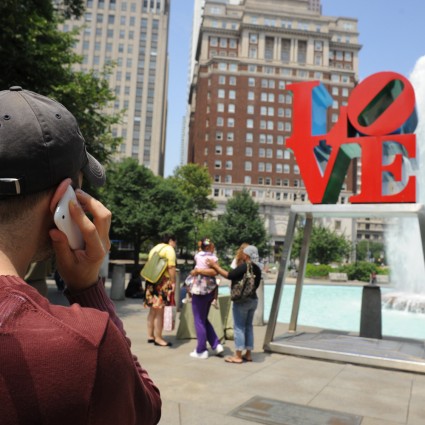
(218, 350)
(203, 355)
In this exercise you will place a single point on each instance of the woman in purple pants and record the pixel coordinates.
(203, 289)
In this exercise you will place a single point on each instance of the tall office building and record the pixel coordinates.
(241, 112)
(133, 35)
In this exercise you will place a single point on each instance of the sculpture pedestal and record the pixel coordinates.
(371, 315)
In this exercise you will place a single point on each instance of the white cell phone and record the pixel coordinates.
(64, 223)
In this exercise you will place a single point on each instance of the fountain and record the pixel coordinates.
(404, 247)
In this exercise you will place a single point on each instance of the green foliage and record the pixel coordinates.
(195, 181)
(326, 246)
(36, 55)
(320, 271)
(375, 250)
(360, 270)
(240, 223)
(144, 206)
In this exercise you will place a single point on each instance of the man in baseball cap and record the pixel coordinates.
(40, 145)
(67, 365)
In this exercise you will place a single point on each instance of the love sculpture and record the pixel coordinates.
(376, 126)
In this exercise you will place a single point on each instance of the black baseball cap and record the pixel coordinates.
(40, 144)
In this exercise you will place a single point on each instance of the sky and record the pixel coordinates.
(392, 33)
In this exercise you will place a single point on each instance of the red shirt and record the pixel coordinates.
(69, 365)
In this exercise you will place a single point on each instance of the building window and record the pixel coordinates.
(252, 53)
(269, 48)
(302, 52)
(248, 166)
(285, 52)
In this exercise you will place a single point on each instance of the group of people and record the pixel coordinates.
(202, 292)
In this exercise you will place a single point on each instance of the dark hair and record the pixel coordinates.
(166, 238)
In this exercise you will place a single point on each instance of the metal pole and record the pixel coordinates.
(283, 266)
(301, 272)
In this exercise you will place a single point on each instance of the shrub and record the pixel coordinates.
(319, 271)
(359, 271)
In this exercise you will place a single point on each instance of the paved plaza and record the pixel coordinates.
(273, 389)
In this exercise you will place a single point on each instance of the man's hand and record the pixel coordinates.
(80, 268)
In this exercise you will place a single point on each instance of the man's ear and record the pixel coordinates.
(59, 192)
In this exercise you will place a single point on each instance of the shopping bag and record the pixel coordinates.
(169, 318)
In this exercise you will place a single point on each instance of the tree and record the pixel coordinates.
(370, 251)
(195, 181)
(240, 223)
(36, 55)
(127, 194)
(326, 246)
(144, 206)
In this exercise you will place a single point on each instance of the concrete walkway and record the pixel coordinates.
(273, 389)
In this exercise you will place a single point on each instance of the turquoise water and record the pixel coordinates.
(338, 308)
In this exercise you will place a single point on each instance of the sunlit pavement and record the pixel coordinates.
(273, 389)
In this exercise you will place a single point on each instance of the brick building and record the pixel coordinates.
(241, 112)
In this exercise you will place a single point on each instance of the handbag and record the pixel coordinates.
(245, 288)
(154, 267)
